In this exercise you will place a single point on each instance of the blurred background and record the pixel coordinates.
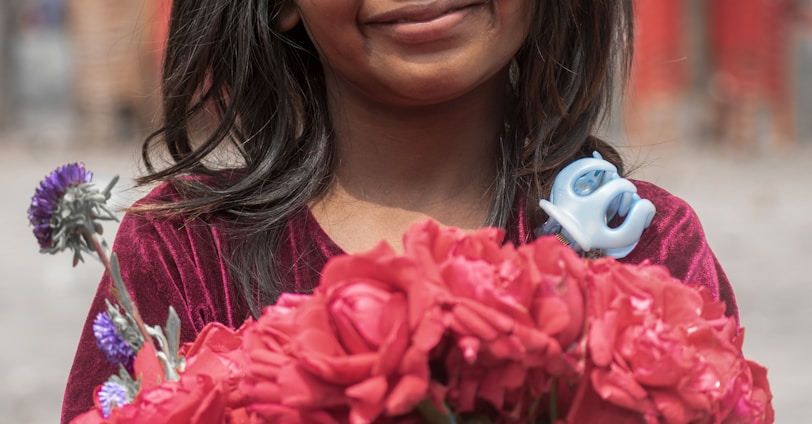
(717, 112)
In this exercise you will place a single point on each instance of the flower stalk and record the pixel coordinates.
(553, 402)
(168, 346)
(66, 212)
(432, 415)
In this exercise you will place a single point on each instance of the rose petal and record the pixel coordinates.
(367, 399)
(619, 388)
(406, 394)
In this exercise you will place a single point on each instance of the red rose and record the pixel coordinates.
(204, 393)
(376, 311)
(428, 244)
(196, 399)
(360, 344)
(756, 404)
(503, 308)
(217, 352)
(660, 348)
(275, 387)
(475, 326)
(560, 309)
(148, 368)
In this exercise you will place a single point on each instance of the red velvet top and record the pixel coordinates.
(178, 262)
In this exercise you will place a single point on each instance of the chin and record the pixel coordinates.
(427, 84)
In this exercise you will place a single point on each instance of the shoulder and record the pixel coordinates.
(171, 242)
(675, 230)
(149, 210)
(139, 223)
(173, 190)
(676, 224)
(669, 206)
(676, 240)
(176, 259)
(166, 192)
(140, 218)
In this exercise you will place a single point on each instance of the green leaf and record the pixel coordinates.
(432, 415)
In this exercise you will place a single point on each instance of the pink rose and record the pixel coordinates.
(204, 393)
(195, 399)
(503, 308)
(275, 387)
(754, 404)
(429, 244)
(148, 368)
(217, 352)
(660, 348)
(374, 306)
(560, 309)
(360, 343)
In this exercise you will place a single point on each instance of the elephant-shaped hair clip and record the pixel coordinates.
(593, 209)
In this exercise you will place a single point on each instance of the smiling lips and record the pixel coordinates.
(421, 12)
(418, 19)
(422, 23)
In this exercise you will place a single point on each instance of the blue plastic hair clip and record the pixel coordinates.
(586, 197)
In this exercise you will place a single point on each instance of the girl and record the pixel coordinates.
(298, 131)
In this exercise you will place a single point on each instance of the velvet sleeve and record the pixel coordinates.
(676, 240)
(164, 261)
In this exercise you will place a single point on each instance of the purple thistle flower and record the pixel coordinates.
(112, 395)
(47, 196)
(110, 342)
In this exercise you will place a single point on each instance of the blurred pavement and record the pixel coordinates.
(43, 302)
(755, 209)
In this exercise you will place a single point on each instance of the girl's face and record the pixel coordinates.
(413, 52)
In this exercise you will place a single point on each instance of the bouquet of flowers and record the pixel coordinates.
(458, 328)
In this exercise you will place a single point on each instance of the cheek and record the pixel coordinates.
(517, 16)
(332, 29)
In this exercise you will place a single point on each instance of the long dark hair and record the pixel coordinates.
(259, 95)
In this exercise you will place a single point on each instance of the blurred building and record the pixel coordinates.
(7, 29)
(751, 81)
(723, 71)
(659, 71)
(84, 71)
(727, 71)
(115, 66)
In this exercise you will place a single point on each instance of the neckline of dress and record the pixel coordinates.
(517, 232)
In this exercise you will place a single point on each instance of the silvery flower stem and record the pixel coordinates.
(118, 289)
(167, 348)
(99, 249)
